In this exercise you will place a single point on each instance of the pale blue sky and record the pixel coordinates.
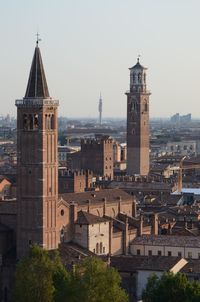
(88, 46)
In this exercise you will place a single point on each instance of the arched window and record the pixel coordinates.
(25, 121)
(30, 122)
(97, 248)
(36, 121)
(139, 77)
(145, 106)
(101, 247)
(52, 122)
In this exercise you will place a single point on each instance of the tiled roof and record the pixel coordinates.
(167, 240)
(192, 267)
(88, 218)
(134, 263)
(97, 196)
(37, 84)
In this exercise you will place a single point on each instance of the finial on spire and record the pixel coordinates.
(138, 58)
(38, 39)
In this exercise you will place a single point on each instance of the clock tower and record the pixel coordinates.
(138, 122)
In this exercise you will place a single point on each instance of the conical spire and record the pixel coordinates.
(37, 84)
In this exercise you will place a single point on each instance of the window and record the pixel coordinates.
(101, 247)
(62, 212)
(169, 253)
(104, 249)
(97, 248)
(159, 253)
(189, 254)
(80, 225)
(150, 253)
(138, 252)
(179, 254)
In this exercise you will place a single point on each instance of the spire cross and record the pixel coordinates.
(138, 58)
(38, 39)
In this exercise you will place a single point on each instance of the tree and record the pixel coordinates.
(93, 281)
(171, 288)
(40, 278)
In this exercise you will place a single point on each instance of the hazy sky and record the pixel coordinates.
(88, 45)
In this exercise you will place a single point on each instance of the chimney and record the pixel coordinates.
(125, 239)
(73, 218)
(134, 209)
(88, 205)
(155, 224)
(141, 225)
(104, 206)
(110, 235)
(185, 222)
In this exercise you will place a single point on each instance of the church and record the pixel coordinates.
(103, 222)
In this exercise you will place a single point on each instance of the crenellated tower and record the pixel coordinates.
(138, 122)
(37, 171)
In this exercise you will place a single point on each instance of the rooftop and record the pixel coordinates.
(88, 218)
(134, 263)
(110, 195)
(167, 240)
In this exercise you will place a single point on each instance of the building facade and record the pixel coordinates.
(138, 122)
(97, 156)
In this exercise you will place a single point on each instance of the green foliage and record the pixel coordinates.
(171, 288)
(93, 281)
(41, 277)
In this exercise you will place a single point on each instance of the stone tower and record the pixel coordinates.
(37, 171)
(138, 122)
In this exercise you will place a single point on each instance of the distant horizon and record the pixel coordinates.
(104, 118)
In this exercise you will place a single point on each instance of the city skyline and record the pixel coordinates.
(88, 47)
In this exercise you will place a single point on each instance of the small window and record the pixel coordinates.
(62, 212)
(150, 252)
(138, 252)
(80, 225)
(189, 254)
(179, 254)
(159, 253)
(104, 249)
(169, 253)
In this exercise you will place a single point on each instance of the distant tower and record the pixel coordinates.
(138, 122)
(100, 109)
(37, 171)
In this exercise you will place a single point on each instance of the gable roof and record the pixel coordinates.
(88, 218)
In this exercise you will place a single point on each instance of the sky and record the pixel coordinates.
(88, 45)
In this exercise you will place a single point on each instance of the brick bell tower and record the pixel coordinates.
(37, 171)
(138, 122)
